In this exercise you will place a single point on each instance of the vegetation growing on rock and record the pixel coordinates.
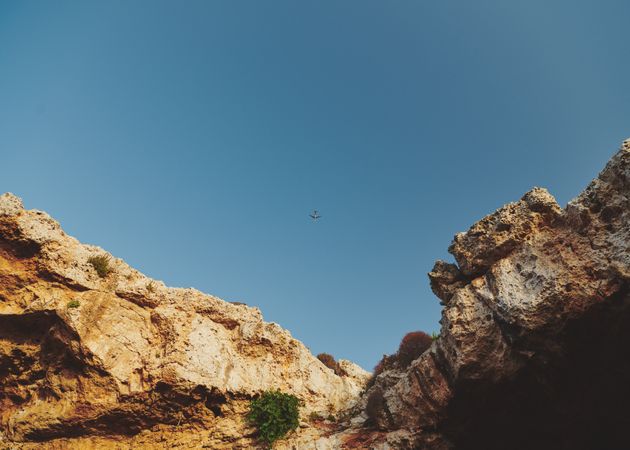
(101, 265)
(53, 336)
(274, 414)
(387, 362)
(412, 346)
(330, 362)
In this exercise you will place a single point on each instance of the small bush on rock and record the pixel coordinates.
(386, 363)
(274, 414)
(73, 304)
(101, 265)
(412, 346)
(329, 361)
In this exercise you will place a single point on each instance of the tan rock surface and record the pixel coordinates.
(533, 350)
(132, 362)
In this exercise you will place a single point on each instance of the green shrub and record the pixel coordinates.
(435, 335)
(101, 265)
(73, 304)
(274, 414)
(315, 417)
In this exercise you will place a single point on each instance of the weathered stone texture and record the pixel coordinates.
(86, 360)
(533, 350)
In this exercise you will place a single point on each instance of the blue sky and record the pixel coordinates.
(193, 138)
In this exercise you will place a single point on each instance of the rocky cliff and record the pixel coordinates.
(533, 352)
(117, 360)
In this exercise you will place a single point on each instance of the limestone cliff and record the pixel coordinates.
(534, 347)
(117, 360)
(533, 351)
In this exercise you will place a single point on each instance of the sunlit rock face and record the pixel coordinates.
(89, 361)
(534, 351)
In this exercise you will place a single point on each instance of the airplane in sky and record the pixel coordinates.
(314, 215)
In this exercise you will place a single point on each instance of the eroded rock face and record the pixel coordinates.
(123, 361)
(534, 350)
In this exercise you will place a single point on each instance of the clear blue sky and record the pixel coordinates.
(193, 138)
